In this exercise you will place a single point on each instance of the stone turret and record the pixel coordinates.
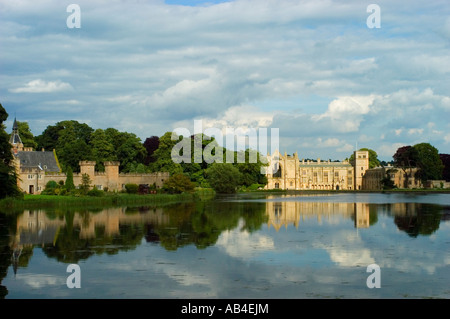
(15, 140)
(112, 174)
(88, 167)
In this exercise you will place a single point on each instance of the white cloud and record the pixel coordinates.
(415, 131)
(40, 281)
(241, 244)
(40, 86)
(311, 68)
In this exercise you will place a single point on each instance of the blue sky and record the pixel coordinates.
(313, 69)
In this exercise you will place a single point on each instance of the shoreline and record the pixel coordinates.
(12, 205)
(122, 199)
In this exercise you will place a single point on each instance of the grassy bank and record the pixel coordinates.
(107, 200)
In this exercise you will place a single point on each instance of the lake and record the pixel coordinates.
(238, 246)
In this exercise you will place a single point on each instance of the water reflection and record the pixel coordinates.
(73, 236)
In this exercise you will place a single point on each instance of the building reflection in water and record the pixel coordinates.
(39, 228)
(283, 214)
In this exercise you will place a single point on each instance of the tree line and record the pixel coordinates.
(74, 142)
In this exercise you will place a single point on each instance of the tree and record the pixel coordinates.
(151, 145)
(445, 158)
(8, 176)
(69, 179)
(71, 140)
(128, 146)
(373, 157)
(223, 177)
(251, 172)
(163, 159)
(386, 181)
(406, 158)
(85, 184)
(102, 149)
(428, 161)
(26, 136)
(178, 183)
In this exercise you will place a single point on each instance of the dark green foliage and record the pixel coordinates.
(85, 184)
(132, 188)
(178, 183)
(428, 161)
(69, 179)
(95, 192)
(387, 183)
(151, 144)
(8, 176)
(445, 158)
(224, 177)
(51, 188)
(26, 136)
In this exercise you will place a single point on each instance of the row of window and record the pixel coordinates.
(32, 176)
(305, 181)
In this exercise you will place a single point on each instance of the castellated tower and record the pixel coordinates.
(361, 165)
(88, 167)
(112, 174)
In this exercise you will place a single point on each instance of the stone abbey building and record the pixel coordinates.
(36, 168)
(289, 172)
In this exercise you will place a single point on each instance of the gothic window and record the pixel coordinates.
(277, 170)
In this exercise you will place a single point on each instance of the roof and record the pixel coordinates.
(15, 125)
(325, 164)
(15, 139)
(46, 160)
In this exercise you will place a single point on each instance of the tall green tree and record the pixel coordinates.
(72, 148)
(128, 148)
(71, 140)
(445, 158)
(69, 179)
(428, 161)
(151, 145)
(163, 159)
(102, 149)
(26, 136)
(8, 176)
(406, 159)
(251, 168)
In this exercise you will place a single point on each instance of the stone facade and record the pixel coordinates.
(36, 168)
(33, 180)
(288, 172)
(402, 179)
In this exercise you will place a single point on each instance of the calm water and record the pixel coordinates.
(243, 246)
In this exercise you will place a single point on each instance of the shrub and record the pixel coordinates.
(51, 188)
(95, 192)
(131, 188)
(178, 183)
(223, 177)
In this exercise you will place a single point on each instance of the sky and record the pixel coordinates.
(316, 70)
